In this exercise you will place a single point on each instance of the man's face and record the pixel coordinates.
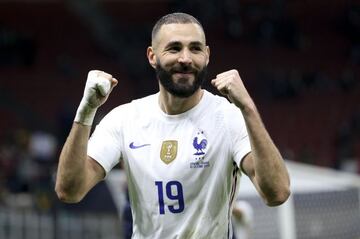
(180, 57)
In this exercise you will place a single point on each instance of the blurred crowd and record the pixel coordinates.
(27, 161)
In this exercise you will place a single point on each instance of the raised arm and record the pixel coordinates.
(264, 165)
(77, 173)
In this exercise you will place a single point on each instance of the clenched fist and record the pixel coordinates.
(230, 84)
(98, 86)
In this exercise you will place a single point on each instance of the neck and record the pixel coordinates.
(174, 105)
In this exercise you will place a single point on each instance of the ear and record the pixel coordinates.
(151, 56)
(208, 54)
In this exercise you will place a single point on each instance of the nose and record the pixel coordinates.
(185, 57)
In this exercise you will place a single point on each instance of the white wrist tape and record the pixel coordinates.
(91, 100)
(85, 115)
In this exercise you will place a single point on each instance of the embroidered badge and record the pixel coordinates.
(168, 151)
(200, 143)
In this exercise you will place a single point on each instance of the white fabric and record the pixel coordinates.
(203, 169)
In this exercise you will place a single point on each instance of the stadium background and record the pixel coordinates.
(299, 59)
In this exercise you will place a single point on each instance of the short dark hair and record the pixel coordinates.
(176, 17)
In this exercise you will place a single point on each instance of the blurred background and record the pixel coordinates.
(300, 60)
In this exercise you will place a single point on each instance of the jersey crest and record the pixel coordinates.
(168, 151)
(199, 144)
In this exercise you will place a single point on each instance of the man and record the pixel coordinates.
(182, 148)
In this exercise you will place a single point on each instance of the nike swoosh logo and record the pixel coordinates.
(132, 146)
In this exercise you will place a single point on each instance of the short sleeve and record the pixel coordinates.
(238, 134)
(105, 143)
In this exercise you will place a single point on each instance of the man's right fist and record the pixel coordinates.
(98, 86)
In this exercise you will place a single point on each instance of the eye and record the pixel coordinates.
(196, 49)
(174, 49)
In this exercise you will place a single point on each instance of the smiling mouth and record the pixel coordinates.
(184, 72)
(185, 75)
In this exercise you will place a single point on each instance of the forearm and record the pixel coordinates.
(76, 173)
(264, 165)
(71, 172)
(270, 172)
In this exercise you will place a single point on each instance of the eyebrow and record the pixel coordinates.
(178, 43)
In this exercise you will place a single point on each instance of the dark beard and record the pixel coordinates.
(178, 89)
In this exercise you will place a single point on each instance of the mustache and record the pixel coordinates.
(183, 69)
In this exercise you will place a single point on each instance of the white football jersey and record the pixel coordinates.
(182, 170)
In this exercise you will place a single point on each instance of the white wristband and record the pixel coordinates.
(85, 115)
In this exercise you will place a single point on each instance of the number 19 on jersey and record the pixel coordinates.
(173, 191)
